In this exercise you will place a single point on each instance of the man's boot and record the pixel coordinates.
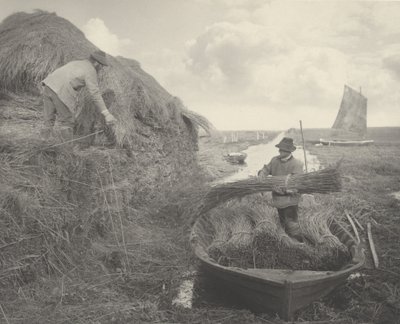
(293, 230)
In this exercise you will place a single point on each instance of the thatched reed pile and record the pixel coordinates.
(33, 45)
(58, 201)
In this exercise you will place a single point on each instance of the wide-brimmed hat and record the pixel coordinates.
(100, 57)
(286, 144)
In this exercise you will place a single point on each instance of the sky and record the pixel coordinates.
(252, 64)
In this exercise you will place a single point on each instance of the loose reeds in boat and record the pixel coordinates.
(329, 252)
(273, 247)
(266, 237)
(321, 181)
(221, 219)
(293, 254)
(257, 239)
(239, 246)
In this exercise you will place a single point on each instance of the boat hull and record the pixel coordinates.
(345, 142)
(236, 158)
(275, 290)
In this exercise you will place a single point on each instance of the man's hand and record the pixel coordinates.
(110, 119)
(279, 190)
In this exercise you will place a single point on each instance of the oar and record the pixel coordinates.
(372, 246)
(353, 226)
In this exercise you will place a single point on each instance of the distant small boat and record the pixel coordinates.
(236, 157)
(346, 142)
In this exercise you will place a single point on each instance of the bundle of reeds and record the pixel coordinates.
(239, 246)
(273, 247)
(257, 238)
(329, 252)
(266, 237)
(322, 181)
(293, 254)
(221, 222)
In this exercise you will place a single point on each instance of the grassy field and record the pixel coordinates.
(371, 175)
(141, 289)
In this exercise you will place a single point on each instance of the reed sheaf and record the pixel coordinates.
(239, 247)
(321, 181)
(201, 121)
(222, 225)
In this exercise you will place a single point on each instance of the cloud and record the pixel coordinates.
(268, 66)
(98, 33)
(290, 60)
(259, 65)
(225, 54)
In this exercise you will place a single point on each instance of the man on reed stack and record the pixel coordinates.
(286, 201)
(60, 92)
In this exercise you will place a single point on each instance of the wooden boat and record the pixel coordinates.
(279, 291)
(346, 142)
(236, 157)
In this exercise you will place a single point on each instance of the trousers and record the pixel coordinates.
(289, 219)
(55, 108)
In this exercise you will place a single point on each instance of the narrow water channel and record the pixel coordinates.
(257, 156)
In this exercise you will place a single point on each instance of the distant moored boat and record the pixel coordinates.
(350, 126)
(236, 157)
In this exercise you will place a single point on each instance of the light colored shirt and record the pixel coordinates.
(67, 80)
(279, 167)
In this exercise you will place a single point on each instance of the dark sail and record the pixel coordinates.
(352, 115)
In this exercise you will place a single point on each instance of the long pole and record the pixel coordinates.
(304, 146)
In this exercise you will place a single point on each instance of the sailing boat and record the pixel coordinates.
(350, 126)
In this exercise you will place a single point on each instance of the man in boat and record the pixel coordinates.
(286, 201)
(60, 92)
